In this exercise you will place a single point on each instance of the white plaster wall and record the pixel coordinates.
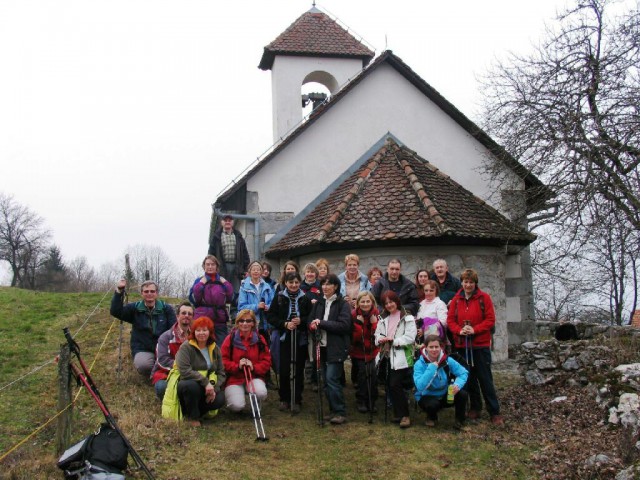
(383, 102)
(287, 75)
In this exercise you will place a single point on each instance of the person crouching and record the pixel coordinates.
(245, 347)
(438, 378)
(201, 372)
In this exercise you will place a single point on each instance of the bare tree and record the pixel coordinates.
(184, 280)
(108, 275)
(569, 112)
(152, 259)
(23, 241)
(82, 276)
(613, 247)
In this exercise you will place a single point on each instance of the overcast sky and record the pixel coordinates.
(121, 120)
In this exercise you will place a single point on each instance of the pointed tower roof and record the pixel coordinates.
(398, 197)
(315, 34)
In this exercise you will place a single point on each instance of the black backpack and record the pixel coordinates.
(458, 358)
(103, 452)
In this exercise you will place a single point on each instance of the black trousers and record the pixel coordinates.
(433, 404)
(366, 380)
(285, 371)
(399, 380)
(193, 399)
(480, 383)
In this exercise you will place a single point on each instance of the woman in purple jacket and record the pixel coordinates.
(210, 294)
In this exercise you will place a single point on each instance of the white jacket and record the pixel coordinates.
(401, 353)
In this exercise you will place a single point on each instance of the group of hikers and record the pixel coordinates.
(430, 338)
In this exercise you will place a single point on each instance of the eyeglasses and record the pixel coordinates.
(245, 320)
(186, 314)
(148, 291)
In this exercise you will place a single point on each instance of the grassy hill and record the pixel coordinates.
(31, 324)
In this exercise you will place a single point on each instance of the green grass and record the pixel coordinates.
(225, 447)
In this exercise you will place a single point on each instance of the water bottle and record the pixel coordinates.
(450, 394)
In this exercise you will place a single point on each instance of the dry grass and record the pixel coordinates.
(225, 447)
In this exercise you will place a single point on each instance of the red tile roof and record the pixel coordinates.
(398, 196)
(315, 34)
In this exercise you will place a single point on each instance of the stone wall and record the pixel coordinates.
(489, 262)
(546, 361)
(593, 364)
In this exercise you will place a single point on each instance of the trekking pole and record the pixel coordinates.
(294, 362)
(468, 346)
(316, 338)
(83, 377)
(274, 367)
(386, 347)
(255, 406)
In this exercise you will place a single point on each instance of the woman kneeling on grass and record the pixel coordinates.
(433, 374)
(245, 347)
(201, 372)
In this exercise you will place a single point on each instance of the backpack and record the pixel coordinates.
(101, 455)
(458, 358)
(432, 326)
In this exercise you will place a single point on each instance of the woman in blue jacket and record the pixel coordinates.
(256, 295)
(433, 373)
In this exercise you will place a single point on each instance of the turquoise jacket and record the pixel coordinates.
(431, 379)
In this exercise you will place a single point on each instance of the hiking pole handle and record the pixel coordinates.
(73, 346)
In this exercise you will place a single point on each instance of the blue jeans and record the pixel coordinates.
(332, 372)
(161, 387)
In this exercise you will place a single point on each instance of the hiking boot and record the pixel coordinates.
(338, 420)
(284, 407)
(497, 420)
(430, 423)
(473, 415)
(405, 422)
(194, 423)
(296, 408)
(362, 408)
(459, 426)
(396, 420)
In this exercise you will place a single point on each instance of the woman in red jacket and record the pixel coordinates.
(364, 350)
(471, 319)
(244, 346)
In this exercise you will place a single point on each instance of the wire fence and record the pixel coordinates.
(51, 361)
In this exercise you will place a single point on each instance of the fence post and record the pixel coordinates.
(63, 432)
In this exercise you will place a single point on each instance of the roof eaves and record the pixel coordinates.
(527, 176)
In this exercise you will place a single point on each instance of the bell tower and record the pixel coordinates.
(314, 48)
